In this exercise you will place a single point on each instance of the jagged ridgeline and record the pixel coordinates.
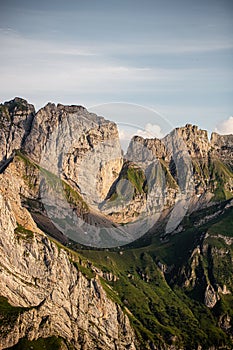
(100, 250)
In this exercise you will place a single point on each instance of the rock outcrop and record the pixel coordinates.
(182, 168)
(16, 117)
(77, 145)
(55, 298)
(195, 139)
(223, 147)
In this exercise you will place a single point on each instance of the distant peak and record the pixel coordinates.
(17, 100)
(64, 108)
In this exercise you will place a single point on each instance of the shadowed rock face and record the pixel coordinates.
(16, 117)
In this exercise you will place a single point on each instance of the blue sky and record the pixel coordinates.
(175, 57)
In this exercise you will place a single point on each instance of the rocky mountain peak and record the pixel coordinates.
(141, 150)
(195, 139)
(81, 146)
(51, 107)
(16, 117)
(18, 106)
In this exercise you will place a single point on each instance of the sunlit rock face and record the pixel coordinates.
(55, 297)
(80, 146)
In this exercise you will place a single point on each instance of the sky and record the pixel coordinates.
(171, 57)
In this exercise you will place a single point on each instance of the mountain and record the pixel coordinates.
(106, 250)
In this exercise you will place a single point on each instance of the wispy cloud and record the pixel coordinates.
(225, 127)
(57, 68)
(14, 43)
(165, 46)
(151, 131)
(148, 131)
(42, 65)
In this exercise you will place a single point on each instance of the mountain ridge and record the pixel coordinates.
(174, 270)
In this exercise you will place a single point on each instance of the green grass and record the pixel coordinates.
(154, 305)
(6, 309)
(216, 175)
(220, 252)
(8, 315)
(224, 226)
(161, 311)
(86, 271)
(31, 170)
(137, 178)
(111, 293)
(23, 233)
(21, 156)
(220, 175)
(73, 197)
(51, 343)
(170, 181)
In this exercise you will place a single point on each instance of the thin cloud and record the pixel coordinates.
(168, 46)
(31, 65)
(149, 131)
(14, 43)
(225, 127)
(47, 68)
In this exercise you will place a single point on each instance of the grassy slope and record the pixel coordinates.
(220, 174)
(159, 310)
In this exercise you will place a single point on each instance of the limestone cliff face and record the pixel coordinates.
(46, 282)
(14, 185)
(77, 145)
(190, 137)
(56, 299)
(223, 147)
(195, 139)
(205, 270)
(84, 149)
(16, 117)
(184, 171)
(168, 165)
